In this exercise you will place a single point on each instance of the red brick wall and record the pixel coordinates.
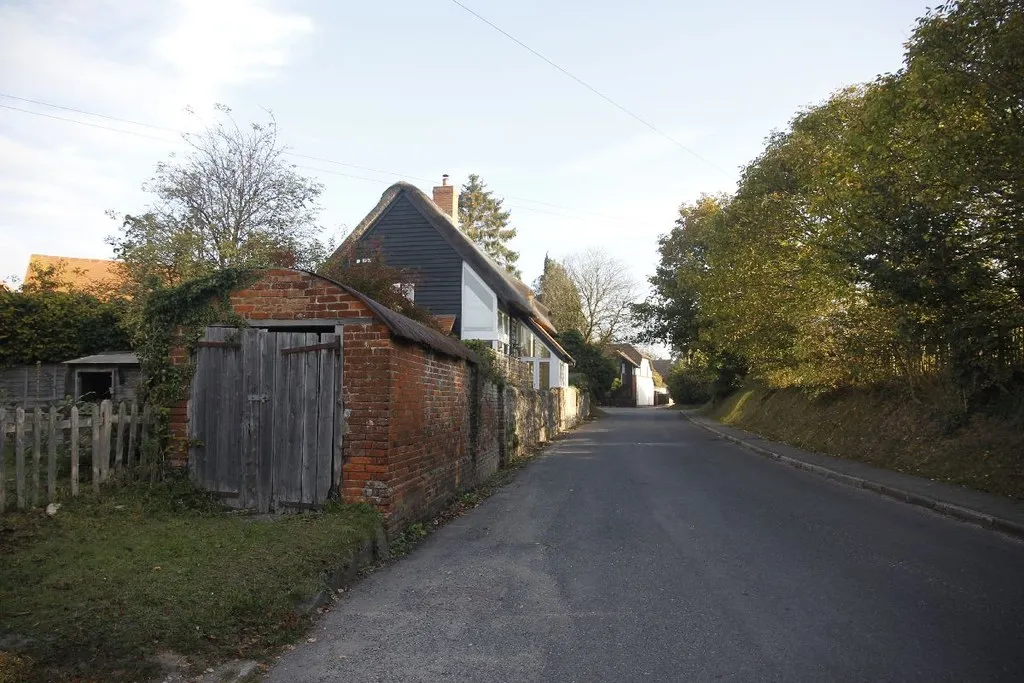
(490, 432)
(421, 426)
(367, 395)
(282, 294)
(430, 455)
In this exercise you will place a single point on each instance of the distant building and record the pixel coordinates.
(91, 275)
(636, 376)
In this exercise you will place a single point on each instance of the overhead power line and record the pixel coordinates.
(298, 155)
(592, 89)
(89, 113)
(82, 123)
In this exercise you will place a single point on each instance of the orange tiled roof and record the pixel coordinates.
(82, 274)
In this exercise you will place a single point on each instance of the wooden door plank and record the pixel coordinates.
(214, 408)
(282, 423)
(291, 460)
(196, 417)
(252, 399)
(245, 490)
(265, 437)
(310, 414)
(326, 365)
(229, 463)
(340, 422)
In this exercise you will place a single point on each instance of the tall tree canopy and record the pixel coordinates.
(880, 238)
(606, 291)
(555, 289)
(231, 201)
(483, 219)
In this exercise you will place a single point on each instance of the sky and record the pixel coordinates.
(411, 89)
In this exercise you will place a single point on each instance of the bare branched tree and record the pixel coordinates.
(231, 200)
(606, 290)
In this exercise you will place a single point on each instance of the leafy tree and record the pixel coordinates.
(483, 219)
(594, 371)
(231, 201)
(670, 314)
(556, 290)
(607, 290)
(47, 321)
(879, 238)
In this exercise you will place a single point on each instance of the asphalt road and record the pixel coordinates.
(643, 548)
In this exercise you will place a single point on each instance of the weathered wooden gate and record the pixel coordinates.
(265, 424)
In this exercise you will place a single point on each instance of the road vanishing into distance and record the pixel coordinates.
(643, 548)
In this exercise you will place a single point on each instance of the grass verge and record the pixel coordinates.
(94, 593)
(881, 428)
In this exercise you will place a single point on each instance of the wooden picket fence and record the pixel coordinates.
(116, 442)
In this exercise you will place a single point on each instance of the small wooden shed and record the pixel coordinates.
(113, 375)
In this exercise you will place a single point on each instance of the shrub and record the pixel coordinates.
(690, 383)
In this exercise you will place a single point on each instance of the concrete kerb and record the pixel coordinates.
(369, 552)
(949, 509)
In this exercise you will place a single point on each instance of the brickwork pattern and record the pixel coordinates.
(421, 427)
(430, 454)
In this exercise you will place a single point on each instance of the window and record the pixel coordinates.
(526, 340)
(504, 330)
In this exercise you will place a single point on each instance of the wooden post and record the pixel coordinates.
(19, 456)
(97, 472)
(37, 452)
(132, 433)
(142, 439)
(51, 453)
(122, 413)
(106, 412)
(3, 459)
(74, 450)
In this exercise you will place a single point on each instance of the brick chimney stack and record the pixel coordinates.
(447, 198)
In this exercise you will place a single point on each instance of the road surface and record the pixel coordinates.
(643, 548)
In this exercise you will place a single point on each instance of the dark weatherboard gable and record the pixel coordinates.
(408, 241)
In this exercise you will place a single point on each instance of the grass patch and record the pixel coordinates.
(984, 452)
(95, 592)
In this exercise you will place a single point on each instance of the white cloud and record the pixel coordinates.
(143, 61)
(229, 42)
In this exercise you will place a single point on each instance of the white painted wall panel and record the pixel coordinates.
(645, 391)
(479, 307)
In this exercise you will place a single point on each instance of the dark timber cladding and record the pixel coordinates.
(408, 241)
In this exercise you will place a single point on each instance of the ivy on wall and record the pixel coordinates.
(175, 317)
